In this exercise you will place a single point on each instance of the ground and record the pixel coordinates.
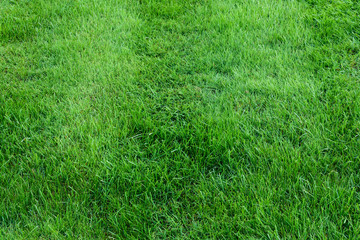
(179, 119)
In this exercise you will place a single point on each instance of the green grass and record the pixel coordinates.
(179, 119)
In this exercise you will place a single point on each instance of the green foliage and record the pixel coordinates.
(196, 119)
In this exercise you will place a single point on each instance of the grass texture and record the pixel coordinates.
(179, 119)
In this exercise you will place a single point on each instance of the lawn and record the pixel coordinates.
(179, 119)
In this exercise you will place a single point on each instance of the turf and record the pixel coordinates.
(173, 119)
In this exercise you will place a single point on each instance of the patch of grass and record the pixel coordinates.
(178, 119)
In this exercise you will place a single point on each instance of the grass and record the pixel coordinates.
(171, 119)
